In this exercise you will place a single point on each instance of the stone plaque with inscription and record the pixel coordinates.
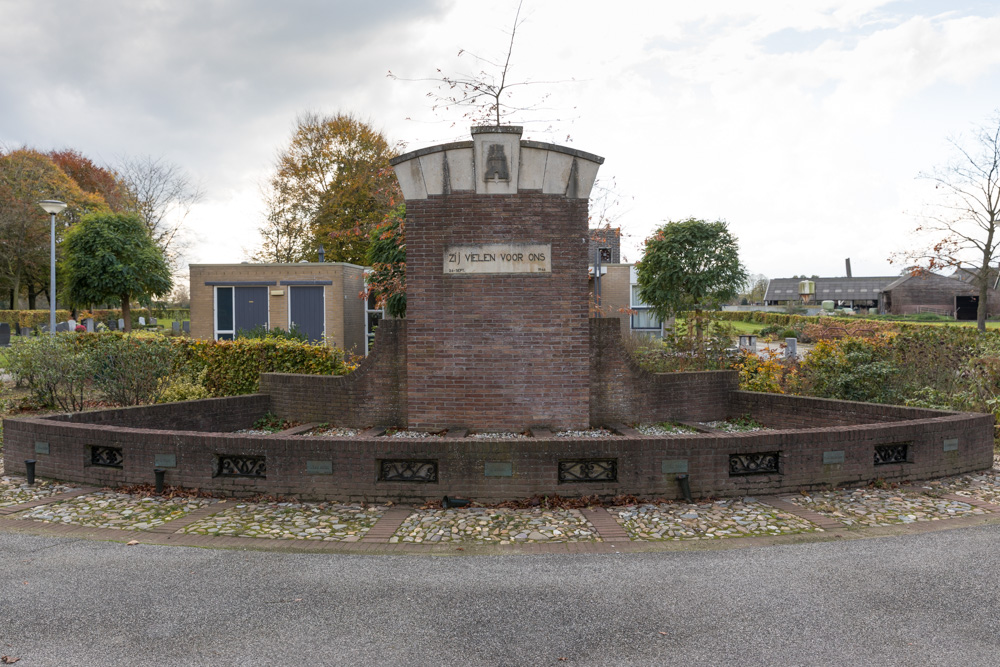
(499, 258)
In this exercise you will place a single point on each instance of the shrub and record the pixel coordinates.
(230, 368)
(261, 332)
(853, 369)
(55, 368)
(129, 369)
(181, 388)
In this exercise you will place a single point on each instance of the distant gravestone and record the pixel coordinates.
(89, 323)
(152, 321)
(121, 325)
(142, 321)
(791, 348)
(187, 326)
(25, 331)
(175, 326)
(4, 334)
(71, 325)
(61, 327)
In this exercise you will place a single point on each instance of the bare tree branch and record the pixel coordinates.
(966, 215)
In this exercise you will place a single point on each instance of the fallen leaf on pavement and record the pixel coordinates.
(133, 542)
(8, 659)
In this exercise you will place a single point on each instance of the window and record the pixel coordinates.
(642, 316)
(224, 320)
(606, 254)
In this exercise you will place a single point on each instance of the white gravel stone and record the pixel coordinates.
(107, 509)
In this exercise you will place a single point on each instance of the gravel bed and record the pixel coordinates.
(498, 435)
(589, 433)
(496, 526)
(664, 428)
(415, 434)
(14, 490)
(254, 431)
(736, 517)
(881, 507)
(328, 522)
(333, 432)
(734, 426)
(107, 509)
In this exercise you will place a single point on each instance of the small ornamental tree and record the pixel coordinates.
(690, 265)
(112, 257)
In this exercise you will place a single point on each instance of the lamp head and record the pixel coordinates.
(53, 206)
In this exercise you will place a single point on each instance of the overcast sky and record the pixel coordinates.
(803, 123)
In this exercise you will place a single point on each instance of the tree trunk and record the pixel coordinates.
(32, 295)
(984, 295)
(126, 313)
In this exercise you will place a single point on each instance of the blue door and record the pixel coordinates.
(250, 307)
(305, 310)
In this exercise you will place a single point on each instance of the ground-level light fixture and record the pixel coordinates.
(52, 207)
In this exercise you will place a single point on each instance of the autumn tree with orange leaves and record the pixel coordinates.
(332, 185)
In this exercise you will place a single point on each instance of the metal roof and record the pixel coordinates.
(867, 288)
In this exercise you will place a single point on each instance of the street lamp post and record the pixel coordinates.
(52, 207)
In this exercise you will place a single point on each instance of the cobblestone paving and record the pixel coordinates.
(982, 485)
(14, 490)
(869, 507)
(290, 521)
(735, 517)
(663, 428)
(496, 526)
(106, 509)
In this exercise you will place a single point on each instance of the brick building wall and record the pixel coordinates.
(343, 308)
(934, 291)
(616, 293)
(607, 238)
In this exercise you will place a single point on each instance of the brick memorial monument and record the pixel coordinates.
(498, 332)
(497, 338)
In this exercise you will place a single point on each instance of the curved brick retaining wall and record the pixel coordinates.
(364, 468)
(814, 442)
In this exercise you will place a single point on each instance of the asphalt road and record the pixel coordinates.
(927, 599)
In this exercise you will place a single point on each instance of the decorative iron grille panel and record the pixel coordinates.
(588, 470)
(891, 453)
(110, 457)
(753, 464)
(418, 472)
(243, 466)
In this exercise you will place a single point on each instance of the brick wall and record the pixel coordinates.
(500, 351)
(781, 411)
(374, 394)
(210, 414)
(621, 392)
(343, 310)
(646, 466)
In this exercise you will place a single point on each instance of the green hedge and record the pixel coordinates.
(30, 318)
(228, 368)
